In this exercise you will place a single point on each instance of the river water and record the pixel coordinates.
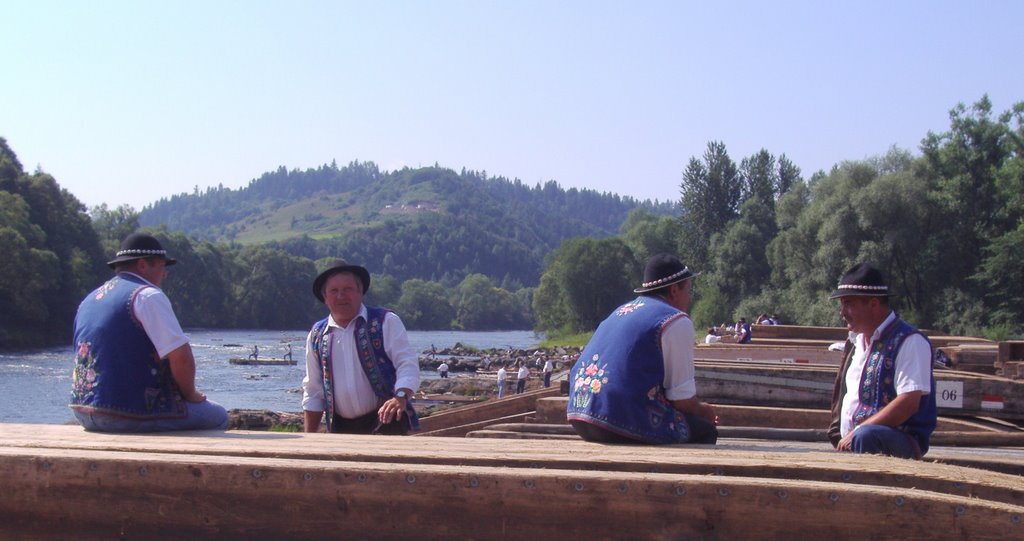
(35, 385)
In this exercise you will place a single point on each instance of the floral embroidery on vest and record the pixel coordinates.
(589, 382)
(876, 386)
(84, 376)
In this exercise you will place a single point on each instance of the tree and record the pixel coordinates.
(646, 234)
(384, 291)
(760, 178)
(738, 254)
(266, 290)
(480, 306)
(113, 226)
(711, 191)
(424, 306)
(591, 277)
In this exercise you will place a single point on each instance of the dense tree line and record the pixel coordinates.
(50, 254)
(947, 227)
(55, 253)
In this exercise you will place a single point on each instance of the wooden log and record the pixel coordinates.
(769, 353)
(957, 392)
(491, 409)
(216, 485)
(748, 458)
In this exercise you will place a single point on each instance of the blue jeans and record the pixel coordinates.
(884, 440)
(205, 415)
(501, 389)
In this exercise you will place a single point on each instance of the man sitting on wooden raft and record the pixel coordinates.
(134, 368)
(884, 397)
(361, 371)
(635, 380)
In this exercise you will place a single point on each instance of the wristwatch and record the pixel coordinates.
(402, 394)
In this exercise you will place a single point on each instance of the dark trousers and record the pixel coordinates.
(520, 386)
(701, 431)
(370, 424)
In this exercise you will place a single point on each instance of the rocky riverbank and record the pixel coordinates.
(472, 375)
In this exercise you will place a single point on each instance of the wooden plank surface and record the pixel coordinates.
(103, 495)
(788, 459)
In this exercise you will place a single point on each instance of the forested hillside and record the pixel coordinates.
(429, 223)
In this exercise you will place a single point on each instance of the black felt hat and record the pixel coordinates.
(862, 280)
(336, 267)
(139, 246)
(663, 270)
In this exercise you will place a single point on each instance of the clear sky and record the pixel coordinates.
(131, 101)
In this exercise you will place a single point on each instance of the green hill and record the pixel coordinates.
(430, 223)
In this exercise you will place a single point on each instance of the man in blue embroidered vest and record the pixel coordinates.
(884, 396)
(361, 371)
(134, 369)
(635, 380)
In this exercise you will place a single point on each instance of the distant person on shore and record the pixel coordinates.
(742, 331)
(521, 376)
(288, 355)
(442, 370)
(712, 336)
(361, 371)
(636, 382)
(774, 320)
(548, 369)
(883, 401)
(501, 381)
(134, 369)
(255, 355)
(762, 319)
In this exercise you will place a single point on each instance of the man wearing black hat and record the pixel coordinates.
(361, 371)
(635, 380)
(134, 369)
(884, 396)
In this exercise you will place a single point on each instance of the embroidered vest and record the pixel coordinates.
(878, 384)
(618, 382)
(117, 370)
(378, 367)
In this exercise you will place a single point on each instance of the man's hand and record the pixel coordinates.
(846, 443)
(391, 410)
(195, 398)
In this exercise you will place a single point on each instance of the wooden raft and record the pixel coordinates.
(60, 481)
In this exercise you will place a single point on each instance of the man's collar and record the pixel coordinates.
(362, 314)
(885, 324)
(140, 278)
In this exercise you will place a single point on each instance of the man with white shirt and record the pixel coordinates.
(883, 401)
(134, 369)
(361, 371)
(635, 380)
(521, 377)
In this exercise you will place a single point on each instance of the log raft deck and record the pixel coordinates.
(61, 482)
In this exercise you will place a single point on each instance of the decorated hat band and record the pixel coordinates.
(667, 278)
(141, 252)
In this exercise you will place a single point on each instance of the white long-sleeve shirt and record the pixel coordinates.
(353, 395)
(677, 340)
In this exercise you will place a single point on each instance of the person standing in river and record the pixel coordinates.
(134, 368)
(361, 371)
